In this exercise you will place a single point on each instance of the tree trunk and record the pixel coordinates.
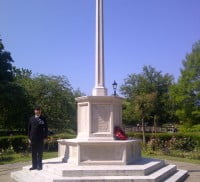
(155, 125)
(143, 131)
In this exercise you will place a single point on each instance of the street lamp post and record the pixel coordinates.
(114, 87)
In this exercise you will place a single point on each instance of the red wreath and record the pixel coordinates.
(119, 134)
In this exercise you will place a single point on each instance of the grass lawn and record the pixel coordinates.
(172, 158)
(12, 157)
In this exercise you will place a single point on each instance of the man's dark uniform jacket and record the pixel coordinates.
(37, 132)
(37, 128)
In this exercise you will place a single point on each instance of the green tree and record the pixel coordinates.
(13, 99)
(14, 107)
(149, 82)
(143, 107)
(21, 73)
(186, 93)
(20, 91)
(56, 97)
(5, 64)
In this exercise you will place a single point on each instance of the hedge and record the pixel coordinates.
(20, 143)
(180, 141)
(16, 143)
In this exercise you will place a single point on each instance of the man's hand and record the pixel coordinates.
(29, 141)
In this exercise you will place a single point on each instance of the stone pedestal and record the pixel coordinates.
(97, 117)
(95, 143)
(80, 152)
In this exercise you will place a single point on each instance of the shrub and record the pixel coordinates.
(178, 141)
(20, 143)
(194, 128)
(51, 144)
(4, 143)
(17, 143)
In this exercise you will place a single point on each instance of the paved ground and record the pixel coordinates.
(194, 170)
(5, 170)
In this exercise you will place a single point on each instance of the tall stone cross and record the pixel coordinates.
(99, 89)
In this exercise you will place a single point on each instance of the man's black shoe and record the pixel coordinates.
(32, 168)
(39, 168)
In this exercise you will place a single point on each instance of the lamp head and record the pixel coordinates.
(114, 85)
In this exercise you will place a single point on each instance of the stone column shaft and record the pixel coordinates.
(99, 89)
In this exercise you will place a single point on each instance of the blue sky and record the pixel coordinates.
(57, 37)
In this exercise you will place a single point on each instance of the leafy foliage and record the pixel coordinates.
(147, 94)
(20, 91)
(5, 64)
(181, 141)
(152, 98)
(55, 96)
(19, 143)
(14, 105)
(186, 93)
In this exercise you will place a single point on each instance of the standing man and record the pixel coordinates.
(37, 132)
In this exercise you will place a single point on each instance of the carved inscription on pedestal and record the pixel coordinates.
(101, 118)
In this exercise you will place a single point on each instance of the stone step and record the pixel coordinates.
(145, 170)
(158, 176)
(140, 169)
(43, 176)
(164, 173)
(179, 176)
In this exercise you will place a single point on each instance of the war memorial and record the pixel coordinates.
(95, 155)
